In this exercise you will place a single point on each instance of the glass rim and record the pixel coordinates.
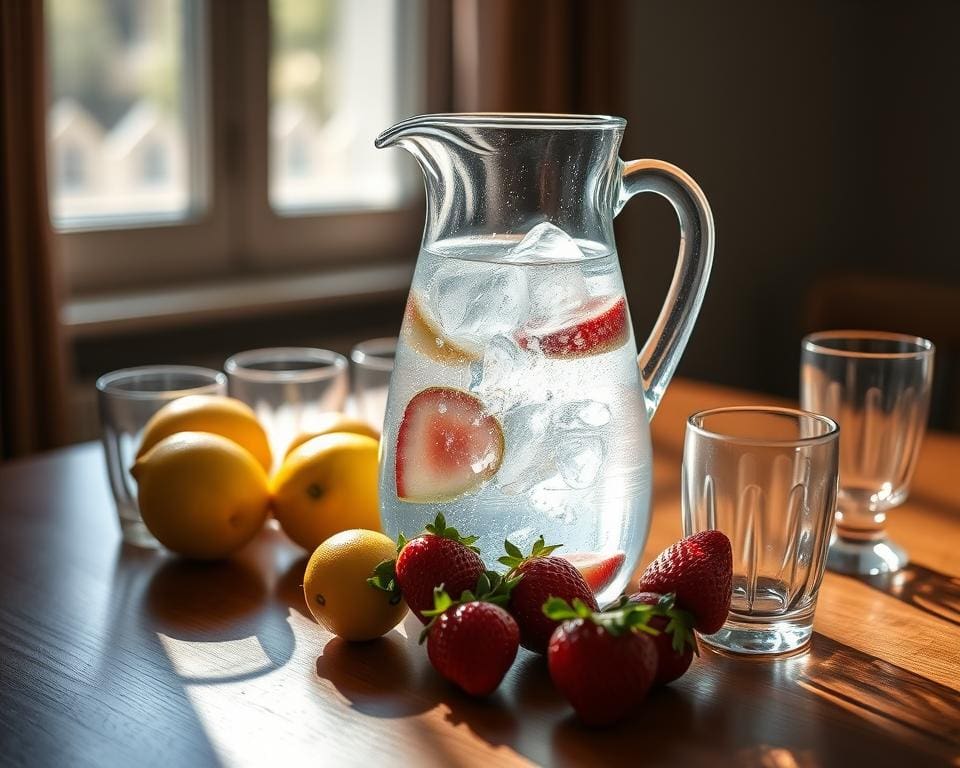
(770, 410)
(107, 383)
(812, 343)
(369, 358)
(331, 364)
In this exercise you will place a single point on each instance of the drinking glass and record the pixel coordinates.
(767, 478)
(877, 387)
(289, 388)
(127, 399)
(372, 365)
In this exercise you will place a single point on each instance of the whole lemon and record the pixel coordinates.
(334, 422)
(201, 494)
(220, 415)
(336, 589)
(325, 486)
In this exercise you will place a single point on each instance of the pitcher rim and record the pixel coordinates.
(546, 120)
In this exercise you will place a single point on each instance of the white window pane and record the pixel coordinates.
(119, 129)
(338, 68)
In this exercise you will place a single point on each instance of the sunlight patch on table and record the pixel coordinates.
(235, 688)
(210, 661)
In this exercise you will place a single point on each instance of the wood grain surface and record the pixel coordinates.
(114, 656)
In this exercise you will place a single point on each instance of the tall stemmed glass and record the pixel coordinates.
(876, 385)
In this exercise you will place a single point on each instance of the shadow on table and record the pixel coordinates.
(289, 587)
(161, 708)
(239, 600)
(930, 591)
(379, 678)
(883, 693)
(833, 702)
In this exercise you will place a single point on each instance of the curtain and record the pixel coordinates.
(538, 55)
(32, 383)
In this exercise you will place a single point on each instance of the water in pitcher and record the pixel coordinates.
(519, 355)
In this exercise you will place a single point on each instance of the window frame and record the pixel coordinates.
(234, 231)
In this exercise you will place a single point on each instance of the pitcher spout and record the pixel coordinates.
(506, 173)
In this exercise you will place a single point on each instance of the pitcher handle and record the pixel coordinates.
(661, 353)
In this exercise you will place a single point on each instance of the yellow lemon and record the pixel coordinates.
(336, 589)
(201, 495)
(334, 422)
(220, 415)
(325, 486)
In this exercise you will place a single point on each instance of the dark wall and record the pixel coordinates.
(827, 138)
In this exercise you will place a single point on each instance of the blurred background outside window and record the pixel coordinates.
(129, 107)
(119, 132)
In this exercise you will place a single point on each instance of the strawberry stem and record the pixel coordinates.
(439, 527)
(629, 618)
(515, 557)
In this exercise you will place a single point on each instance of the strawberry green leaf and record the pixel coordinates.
(384, 578)
(541, 549)
(441, 601)
(439, 527)
(629, 618)
(512, 549)
(558, 609)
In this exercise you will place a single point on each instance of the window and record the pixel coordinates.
(120, 133)
(327, 87)
(201, 138)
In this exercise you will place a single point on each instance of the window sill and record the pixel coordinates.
(132, 311)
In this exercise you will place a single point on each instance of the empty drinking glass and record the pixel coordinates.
(127, 399)
(877, 387)
(372, 365)
(289, 388)
(767, 478)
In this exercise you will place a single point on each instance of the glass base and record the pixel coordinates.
(766, 636)
(865, 558)
(136, 533)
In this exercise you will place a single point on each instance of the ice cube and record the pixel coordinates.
(475, 300)
(528, 455)
(579, 458)
(556, 290)
(581, 414)
(544, 243)
(505, 375)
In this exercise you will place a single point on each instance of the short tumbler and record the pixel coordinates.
(767, 478)
(127, 399)
(289, 388)
(372, 364)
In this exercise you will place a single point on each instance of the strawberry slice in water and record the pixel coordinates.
(597, 570)
(598, 325)
(447, 445)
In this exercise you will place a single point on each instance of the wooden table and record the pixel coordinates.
(111, 655)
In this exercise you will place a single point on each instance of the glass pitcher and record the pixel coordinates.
(516, 405)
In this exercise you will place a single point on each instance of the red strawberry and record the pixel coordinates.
(472, 644)
(598, 325)
(603, 663)
(597, 570)
(447, 445)
(542, 577)
(699, 571)
(675, 644)
(439, 557)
